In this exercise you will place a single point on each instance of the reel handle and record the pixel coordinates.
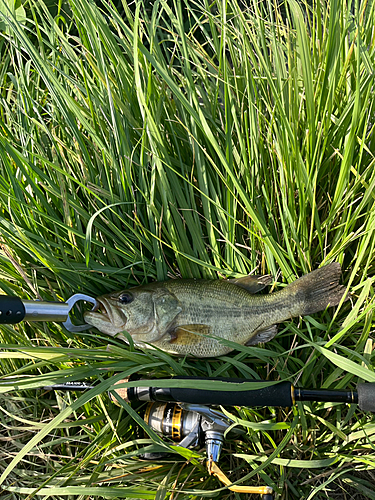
(265, 491)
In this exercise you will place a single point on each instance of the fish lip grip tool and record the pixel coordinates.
(13, 310)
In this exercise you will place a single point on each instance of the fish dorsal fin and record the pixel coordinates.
(262, 335)
(189, 334)
(253, 283)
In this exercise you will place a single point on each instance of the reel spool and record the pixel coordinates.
(169, 419)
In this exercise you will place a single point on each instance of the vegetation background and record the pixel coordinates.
(184, 139)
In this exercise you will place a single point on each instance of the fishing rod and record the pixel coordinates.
(279, 394)
(183, 414)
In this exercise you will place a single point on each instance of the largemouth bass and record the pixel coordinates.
(189, 317)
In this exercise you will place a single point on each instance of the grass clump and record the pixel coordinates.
(184, 140)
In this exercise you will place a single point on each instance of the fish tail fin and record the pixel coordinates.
(319, 289)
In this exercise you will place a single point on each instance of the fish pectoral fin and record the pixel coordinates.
(262, 335)
(254, 283)
(189, 334)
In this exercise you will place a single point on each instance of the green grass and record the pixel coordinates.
(185, 140)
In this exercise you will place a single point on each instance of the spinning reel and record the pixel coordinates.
(191, 424)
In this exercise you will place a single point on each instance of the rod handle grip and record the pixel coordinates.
(12, 310)
(366, 396)
(279, 394)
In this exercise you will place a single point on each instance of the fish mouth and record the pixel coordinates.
(102, 311)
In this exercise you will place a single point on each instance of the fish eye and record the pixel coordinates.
(125, 298)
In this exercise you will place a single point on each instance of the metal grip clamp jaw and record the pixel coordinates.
(190, 422)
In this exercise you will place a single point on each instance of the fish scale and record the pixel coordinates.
(193, 317)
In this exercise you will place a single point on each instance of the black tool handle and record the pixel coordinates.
(12, 310)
